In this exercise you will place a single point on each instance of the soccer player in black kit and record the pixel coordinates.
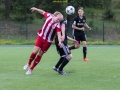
(78, 25)
(64, 52)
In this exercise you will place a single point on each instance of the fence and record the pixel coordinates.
(101, 31)
(19, 31)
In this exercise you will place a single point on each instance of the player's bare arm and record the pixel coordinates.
(59, 39)
(38, 10)
(86, 25)
(63, 31)
(77, 28)
(71, 39)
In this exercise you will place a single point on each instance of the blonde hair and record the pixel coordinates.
(56, 13)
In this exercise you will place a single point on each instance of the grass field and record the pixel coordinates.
(102, 72)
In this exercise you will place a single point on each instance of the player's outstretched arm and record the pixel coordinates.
(38, 10)
(71, 39)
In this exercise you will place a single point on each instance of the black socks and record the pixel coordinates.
(59, 62)
(72, 47)
(64, 63)
(84, 52)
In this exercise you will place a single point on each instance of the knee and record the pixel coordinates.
(77, 46)
(69, 56)
(40, 53)
(84, 44)
(35, 50)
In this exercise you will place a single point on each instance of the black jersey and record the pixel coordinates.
(79, 22)
(65, 40)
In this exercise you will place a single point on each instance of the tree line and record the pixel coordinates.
(19, 10)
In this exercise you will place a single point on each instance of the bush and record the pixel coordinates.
(7, 42)
(109, 14)
(31, 42)
(118, 43)
(16, 42)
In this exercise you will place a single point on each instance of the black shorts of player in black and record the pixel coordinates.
(78, 32)
(64, 52)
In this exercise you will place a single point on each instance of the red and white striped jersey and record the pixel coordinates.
(49, 28)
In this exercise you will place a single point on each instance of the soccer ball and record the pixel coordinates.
(70, 10)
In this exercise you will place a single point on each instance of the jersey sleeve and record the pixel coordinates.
(84, 18)
(58, 29)
(46, 14)
(74, 21)
(63, 22)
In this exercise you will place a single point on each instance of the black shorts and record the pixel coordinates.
(80, 37)
(64, 51)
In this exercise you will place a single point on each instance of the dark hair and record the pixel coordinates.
(80, 8)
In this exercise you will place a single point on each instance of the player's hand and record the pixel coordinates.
(82, 28)
(62, 38)
(76, 42)
(33, 9)
(89, 28)
(60, 44)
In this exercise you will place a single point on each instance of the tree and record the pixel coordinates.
(7, 9)
(50, 6)
(108, 14)
(21, 9)
(2, 9)
(107, 4)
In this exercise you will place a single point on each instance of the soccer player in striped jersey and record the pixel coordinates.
(64, 52)
(44, 38)
(78, 32)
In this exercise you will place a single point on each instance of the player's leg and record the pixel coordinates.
(77, 45)
(32, 57)
(36, 61)
(64, 63)
(44, 47)
(33, 54)
(58, 63)
(84, 48)
(60, 52)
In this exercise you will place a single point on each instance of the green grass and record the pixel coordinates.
(102, 72)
